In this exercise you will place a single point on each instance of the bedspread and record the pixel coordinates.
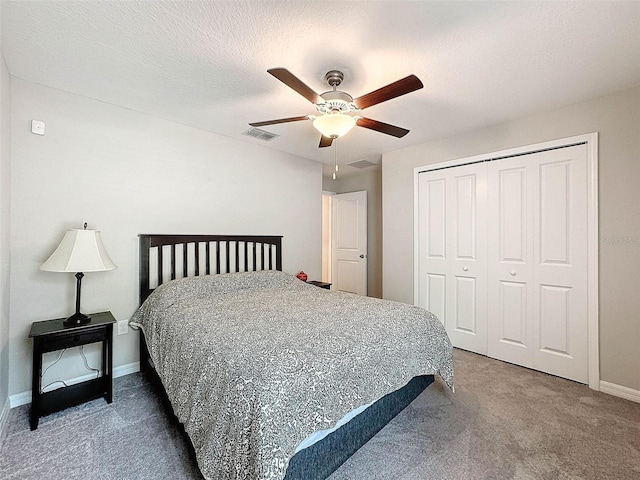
(255, 362)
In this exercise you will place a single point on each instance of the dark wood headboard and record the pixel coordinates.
(167, 257)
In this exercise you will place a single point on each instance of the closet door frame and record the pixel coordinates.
(591, 141)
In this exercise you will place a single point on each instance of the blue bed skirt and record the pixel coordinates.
(321, 459)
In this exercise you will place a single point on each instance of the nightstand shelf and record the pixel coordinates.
(52, 335)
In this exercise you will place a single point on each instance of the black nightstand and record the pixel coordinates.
(52, 335)
(325, 285)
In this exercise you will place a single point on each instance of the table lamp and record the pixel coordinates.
(79, 251)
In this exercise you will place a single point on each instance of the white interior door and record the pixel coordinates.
(349, 242)
(453, 282)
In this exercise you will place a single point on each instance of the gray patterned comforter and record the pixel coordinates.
(253, 363)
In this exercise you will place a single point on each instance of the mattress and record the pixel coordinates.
(317, 436)
(254, 363)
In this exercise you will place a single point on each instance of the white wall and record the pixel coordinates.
(617, 119)
(5, 189)
(127, 173)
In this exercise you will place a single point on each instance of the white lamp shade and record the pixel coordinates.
(79, 251)
(334, 125)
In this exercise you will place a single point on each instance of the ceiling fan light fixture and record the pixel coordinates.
(334, 125)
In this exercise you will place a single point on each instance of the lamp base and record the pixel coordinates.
(77, 319)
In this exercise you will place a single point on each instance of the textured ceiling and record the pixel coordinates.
(203, 63)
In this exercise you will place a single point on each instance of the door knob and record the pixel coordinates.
(362, 255)
(512, 273)
(465, 268)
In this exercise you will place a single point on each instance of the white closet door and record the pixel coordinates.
(503, 258)
(452, 281)
(433, 260)
(538, 261)
(560, 271)
(510, 260)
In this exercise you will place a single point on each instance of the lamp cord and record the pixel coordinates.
(56, 361)
(52, 383)
(86, 364)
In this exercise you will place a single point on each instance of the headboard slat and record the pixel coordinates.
(208, 260)
(149, 242)
(185, 251)
(173, 261)
(160, 265)
(197, 259)
(254, 257)
(217, 257)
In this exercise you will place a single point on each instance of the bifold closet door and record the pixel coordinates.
(452, 252)
(503, 258)
(537, 261)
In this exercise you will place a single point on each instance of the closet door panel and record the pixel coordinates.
(467, 281)
(452, 253)
(512, 218)
(465, 301)
(433, 260)
(554, 320)
(510, 273)
(465, 210)
(555, 203)
(560, 272)
(513, 314)
(436, 294)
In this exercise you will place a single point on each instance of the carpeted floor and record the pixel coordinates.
(503, 422)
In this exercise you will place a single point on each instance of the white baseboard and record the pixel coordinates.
(4, 414)
(127, 369)
(19, 399)
(23, 398)
(620, 391)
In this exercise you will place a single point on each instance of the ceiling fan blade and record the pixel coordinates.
(280, 120)
(290, 80)
(401, 87)
(325, 141)
(381, 127)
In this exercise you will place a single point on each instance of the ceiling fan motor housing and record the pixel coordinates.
(336, 101)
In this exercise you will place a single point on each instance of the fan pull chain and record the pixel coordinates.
(335, 157)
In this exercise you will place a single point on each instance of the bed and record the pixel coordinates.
(257, 364)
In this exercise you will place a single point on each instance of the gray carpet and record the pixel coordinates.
(503, 422)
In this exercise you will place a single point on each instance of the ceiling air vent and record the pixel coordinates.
(260, 134)
(361, 164)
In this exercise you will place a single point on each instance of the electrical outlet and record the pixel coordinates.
(123, 327)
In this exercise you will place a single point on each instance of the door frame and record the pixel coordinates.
(327, 258)
(591, 140)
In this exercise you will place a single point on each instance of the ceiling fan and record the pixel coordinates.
(335, 106)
